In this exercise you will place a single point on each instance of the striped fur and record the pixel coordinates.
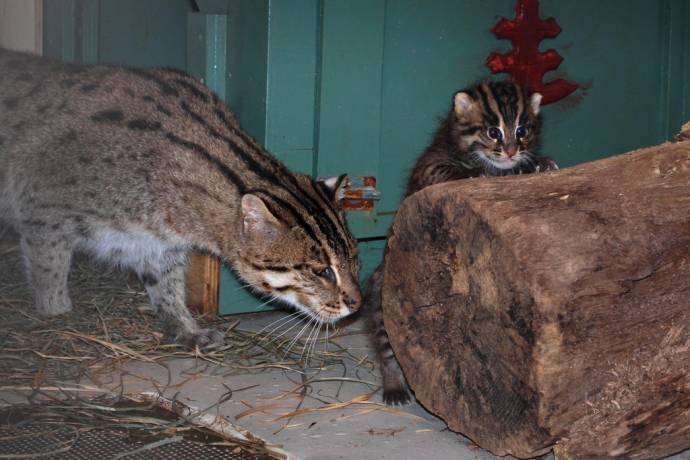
(140, 166)
(462, 148)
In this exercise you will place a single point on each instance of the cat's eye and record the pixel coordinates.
(520, 132)
(494, 133)
(327, 274)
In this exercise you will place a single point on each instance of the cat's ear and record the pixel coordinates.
(257, 219)
(535, 102)
(332, 186)
(462, 103)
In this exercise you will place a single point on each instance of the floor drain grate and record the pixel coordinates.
(60, 442)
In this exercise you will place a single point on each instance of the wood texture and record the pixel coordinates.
(551, 310)
(203, 281)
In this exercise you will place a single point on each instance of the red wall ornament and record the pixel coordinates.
(525, 63)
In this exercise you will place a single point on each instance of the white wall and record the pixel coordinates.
(20, 25)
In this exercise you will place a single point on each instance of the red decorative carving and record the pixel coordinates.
(525, 63)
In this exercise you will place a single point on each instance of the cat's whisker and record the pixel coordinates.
(298, 320)
(317, 337)
(312, 324)
(282, 321)
(281, 318)
(272, 299)
(244, 286)
(296, 338)
(325, 347)
(312, 348)
(307, 343)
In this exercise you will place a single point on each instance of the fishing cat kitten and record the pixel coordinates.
(491, 130)
(138, 167)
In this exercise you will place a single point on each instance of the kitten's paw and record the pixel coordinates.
(546, 164)
(396, 397)
(205, 339)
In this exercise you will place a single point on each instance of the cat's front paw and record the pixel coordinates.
(396, 396)
(546, 164)
(204, 339)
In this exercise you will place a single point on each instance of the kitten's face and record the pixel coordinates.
(496, 124)
(316, 274)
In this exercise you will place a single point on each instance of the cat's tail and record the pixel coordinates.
(395, 388)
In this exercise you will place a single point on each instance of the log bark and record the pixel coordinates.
(551, 311)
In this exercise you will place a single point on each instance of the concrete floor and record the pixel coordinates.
(366, 430)
(359, 431)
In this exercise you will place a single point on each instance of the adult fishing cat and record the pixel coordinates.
(138, 167)
(491, 130)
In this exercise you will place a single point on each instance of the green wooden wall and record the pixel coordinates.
(358, 86)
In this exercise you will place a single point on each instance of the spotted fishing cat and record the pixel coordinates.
(138, 167)
(491, 130)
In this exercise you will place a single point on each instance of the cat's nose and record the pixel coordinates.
(353, 303)
(511, 150)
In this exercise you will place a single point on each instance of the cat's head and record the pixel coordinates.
(497, 124)
(296, 248)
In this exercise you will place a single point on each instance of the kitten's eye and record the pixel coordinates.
(494, 133)
(520, 132)
(327, 274)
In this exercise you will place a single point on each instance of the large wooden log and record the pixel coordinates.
(551, 310)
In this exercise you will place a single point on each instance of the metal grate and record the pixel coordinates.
(64, 443)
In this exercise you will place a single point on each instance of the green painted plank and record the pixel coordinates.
(349, 104)
(206, 50)
(370, 256)
(247, 64)
(617, 53)
(129, 32)
(675, 15)
(147, 33)
(291, 82)
(685, 114)
(59, 29)
(90, 20)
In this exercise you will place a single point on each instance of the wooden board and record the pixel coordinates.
(203, 274)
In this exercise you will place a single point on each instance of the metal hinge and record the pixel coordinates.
(358, 193)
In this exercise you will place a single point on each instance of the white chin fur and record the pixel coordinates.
(510, 164)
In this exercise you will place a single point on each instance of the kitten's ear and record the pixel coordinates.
(462, 103)
(257, 220)
(535, 102)
(332, 185)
